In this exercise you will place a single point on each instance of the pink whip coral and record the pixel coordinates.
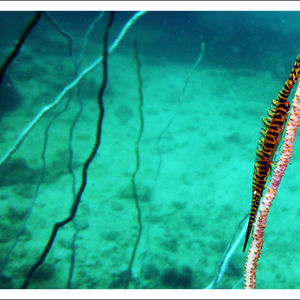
(261, 220)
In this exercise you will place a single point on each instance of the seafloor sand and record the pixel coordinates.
(189, 214)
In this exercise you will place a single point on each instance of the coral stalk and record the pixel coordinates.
(261, 220)
(138, 162)
(19, 44)
(87, 163)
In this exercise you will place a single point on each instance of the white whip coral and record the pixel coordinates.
(261, 219)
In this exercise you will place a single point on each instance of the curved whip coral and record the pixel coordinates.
(260, 224)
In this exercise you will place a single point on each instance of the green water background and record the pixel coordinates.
(203, 190)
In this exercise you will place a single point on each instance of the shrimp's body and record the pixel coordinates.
(271, 135)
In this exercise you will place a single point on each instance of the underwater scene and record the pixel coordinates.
(128, 146)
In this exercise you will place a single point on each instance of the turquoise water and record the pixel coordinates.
(191, 169)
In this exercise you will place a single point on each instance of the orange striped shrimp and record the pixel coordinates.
(271, 135)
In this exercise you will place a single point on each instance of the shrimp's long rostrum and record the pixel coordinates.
(271, 135)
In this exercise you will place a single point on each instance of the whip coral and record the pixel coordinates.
(261, 220)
